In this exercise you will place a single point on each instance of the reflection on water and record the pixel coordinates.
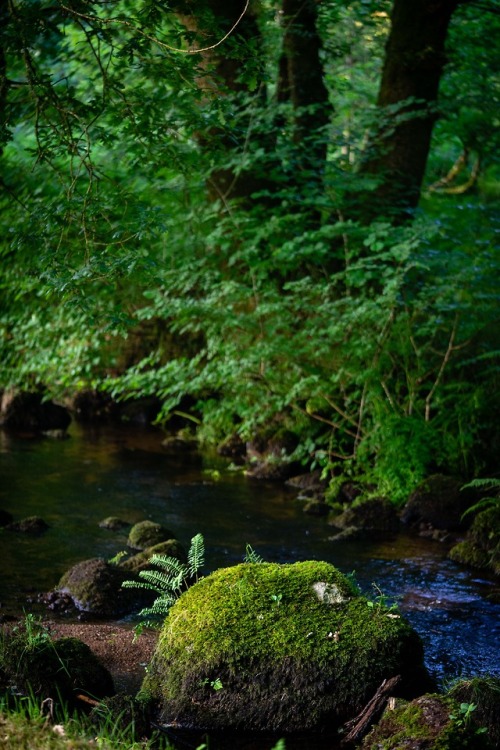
(74, 484)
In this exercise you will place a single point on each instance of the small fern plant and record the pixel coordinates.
(169, 582)
(486, 485)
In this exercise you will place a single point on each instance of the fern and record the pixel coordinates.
(196, 555)
(169, 582)
(485, 502)
(251, 555)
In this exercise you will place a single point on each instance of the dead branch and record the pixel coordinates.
(358, 727)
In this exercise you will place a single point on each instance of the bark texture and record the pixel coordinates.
(398, 150)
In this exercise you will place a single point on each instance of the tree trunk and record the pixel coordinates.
(225, 71)
(301, 82)
(398, 149)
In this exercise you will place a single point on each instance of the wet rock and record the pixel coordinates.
(283, 647)
(310, 485)
(92, 406)
(141, 411)
(170, 548)
(425, 723)
(481, 548)
(439, 502)
(233, 447)
(376, 517)
(25, 412)
(316, 507)
(113, 523)
(268, 455)
(148, 533)
(29, 525)
(95, 588)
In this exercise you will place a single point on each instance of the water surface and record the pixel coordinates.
(73, 484)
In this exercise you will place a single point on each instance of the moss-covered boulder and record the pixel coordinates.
(374, 518)
(95, 586)
(274, 647)
(431, 722)
(61, 669)
(140, 561)
(148, 533)
(481, 548)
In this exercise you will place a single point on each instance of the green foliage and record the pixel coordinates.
(251, 555)
(169, 582)
(484, 485)
(124, 268)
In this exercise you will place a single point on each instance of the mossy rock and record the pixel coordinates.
(113, 523)
(481, 548)
(60, 669)
(29, 525)
(148, 533)
(140, 561)
(290, 647)
(95, 586)
(376, 517)
(424, 724)
(484, 693)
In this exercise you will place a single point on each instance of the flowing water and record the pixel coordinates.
(75, 483)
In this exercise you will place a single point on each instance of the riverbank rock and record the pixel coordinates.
(148, 533)
(95, 587)
(61, 669)
(374, 518)
(481, 548)
(282, 648)
(268, 454)
(431, 722)
(438, 503)
(25, 412)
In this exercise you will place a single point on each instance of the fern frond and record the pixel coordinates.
(482, 484)
(171, 564)
(196, 555)
(141, 585)
(157, 578)
(251, 555)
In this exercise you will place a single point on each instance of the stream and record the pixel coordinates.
(73, 484)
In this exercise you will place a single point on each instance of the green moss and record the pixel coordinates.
(148, 533)
(424, 724)
(484, 693)
(35, 663)
(297, 641)
(468, 554)
(141, 561)
(481, 549)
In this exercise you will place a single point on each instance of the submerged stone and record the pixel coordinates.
(282, 648)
